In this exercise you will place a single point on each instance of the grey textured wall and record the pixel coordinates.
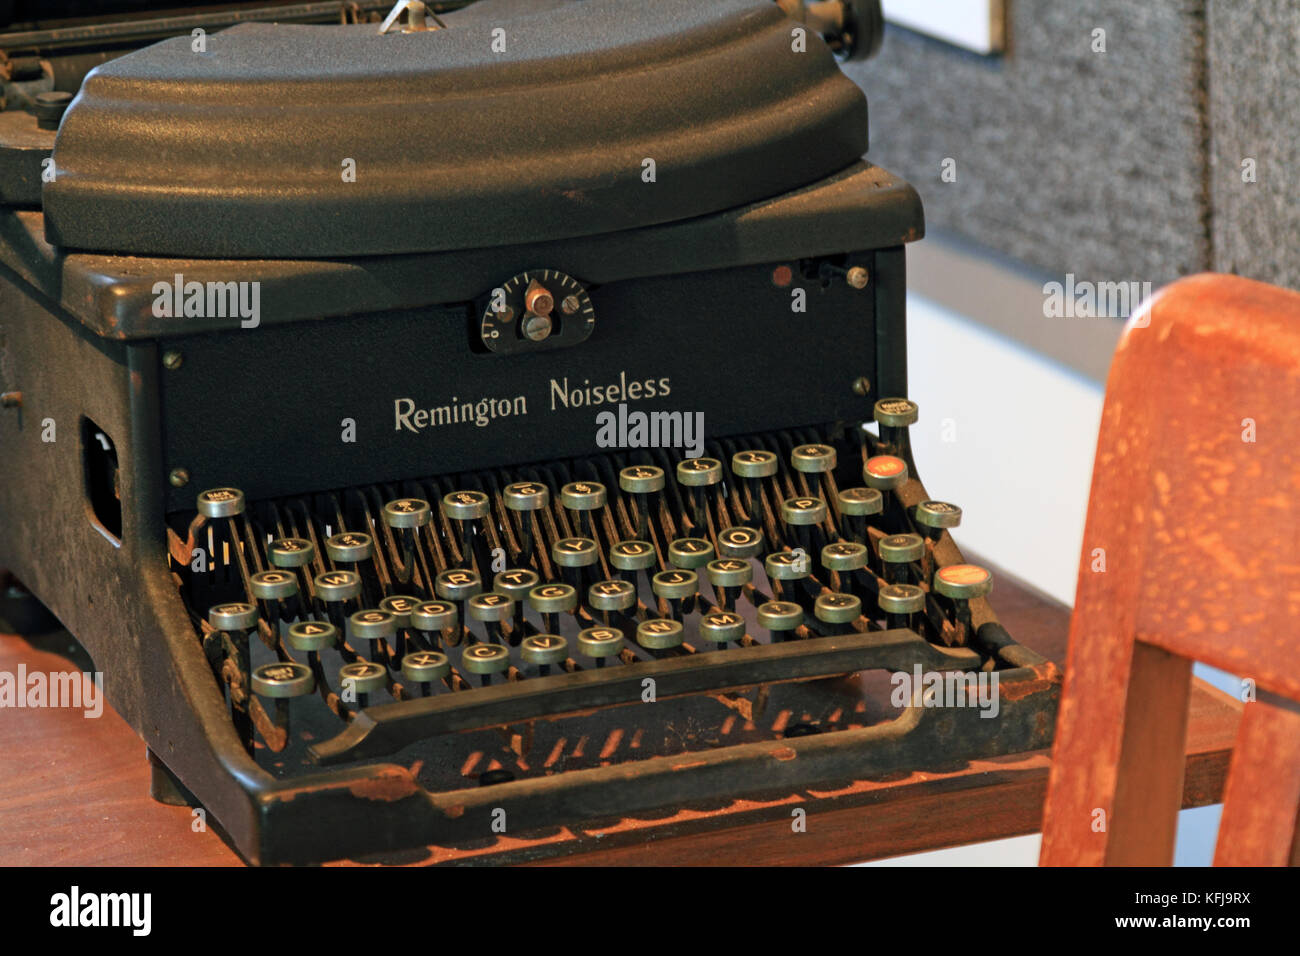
(1067, 159)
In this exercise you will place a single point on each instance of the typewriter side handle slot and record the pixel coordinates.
(384, 730)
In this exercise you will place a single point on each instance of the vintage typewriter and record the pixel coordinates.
(494, 413)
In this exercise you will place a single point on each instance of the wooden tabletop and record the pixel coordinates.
(75, 791)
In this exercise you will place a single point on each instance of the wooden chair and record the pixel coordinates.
(1191, 553)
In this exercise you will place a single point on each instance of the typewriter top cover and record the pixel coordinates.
(354, 332)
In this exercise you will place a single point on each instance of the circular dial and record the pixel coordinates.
(537, 309)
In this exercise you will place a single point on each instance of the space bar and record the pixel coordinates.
(387, 728)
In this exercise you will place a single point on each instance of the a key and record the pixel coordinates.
(237, 620)
(334, 589)
(457, 585)
(611, 596)
(783, 566)
(884, 472)
(632, 556)
(312, 637)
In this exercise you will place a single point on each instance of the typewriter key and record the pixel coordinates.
(291, 552)
(787, 566)
(349, 546)
(900, 602)
(407, 513)
(699, 472)
(544, 650)
(283, 680)
(740, 542)
(515, 583)
(860, 501)
(934, 516)
(612, 595)
(373, 626)
(583, 495)
(338, 586)
(803, 511)
(600, 643)
(362, 678)
(754, 464)
(962, 582)
(897, 551)
(641, 479)
(813, 459)
(433, 616)
(553, 599)
(690, 552)
(490, 607)
(779, 617)
(721, 627)
(884, 472)
(273, 585)
(574, 552)
(400, 606)
(312, 636)
(233, 617)
(466, 505)
(675, 584)
(485, 660)
(844, 556)
(221, 503)
(425, 667)
(457, 584)
(835, 608)
(896, 412)
(659, 634)
(526, 496)
(729, 572)
(632, 555)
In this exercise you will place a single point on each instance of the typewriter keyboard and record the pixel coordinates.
(350, 625)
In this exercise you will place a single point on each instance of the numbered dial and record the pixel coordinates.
(537, 309)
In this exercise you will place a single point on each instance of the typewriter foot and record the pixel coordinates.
(166, 787)
(20, 611)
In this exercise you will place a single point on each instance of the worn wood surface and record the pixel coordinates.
(75, 791)
(1189, 553)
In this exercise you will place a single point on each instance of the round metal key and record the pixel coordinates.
(515, 583)
(466, 505)
(901, 548)
(844, 556)
(583, 495)
(349, 546)
(425, 666)
(553, 598)
(544, 649)
(803, 511)
(221, 503)
(675, 583)
(457, 584)
(963, 581)
(611, 595)
(575, 552)
(860, 501)
(338, 585)
(312, 635)
(938, 514)
(282, 680)
(896, 412)
(363, 677)
(233, 616)
(754, 463)
(884, 472)
(835, 608)
(729, 572)
(632, 555)
(490, 607)
(273, 585)
(787, 566)
(600, 641)
(698, 472)
(780, 615)
(659, 634)
(690, 552)
(407, 513)
(400, 606)
(813, 459)
(641, 479)
(901, 599)
(290, 552)
(722, 627)
(526, 496)
(433, 615)
(371, 625)
(739, 541)
(485, 658)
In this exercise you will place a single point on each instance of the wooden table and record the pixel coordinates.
(76, 792)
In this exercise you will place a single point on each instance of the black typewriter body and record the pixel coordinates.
(397, 427)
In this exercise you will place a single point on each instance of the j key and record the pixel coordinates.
(897, 552)
(780, 617)
(690, 552)
(675, 586)
(901, 602)
(722, 627)
(374, 627)
(600, 643)
(740, 542)
(221, 503)
(425, 667)
(291, 552)
(349, 547)
(641, 481)
(543, 650)
(659, 634)
(407, 513)
(895, 415)
(835, 608)
(360, 679)
(486, 660)
(884, 472)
